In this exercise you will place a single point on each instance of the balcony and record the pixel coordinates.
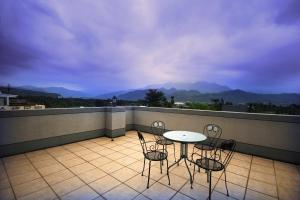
(64, 154)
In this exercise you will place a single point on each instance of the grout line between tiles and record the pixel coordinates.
(8, 178)
(42, 178)
(248, 177)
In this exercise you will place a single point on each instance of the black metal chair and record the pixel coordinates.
(158, 128)
(153, 152)
(213, 133)
(217, 161)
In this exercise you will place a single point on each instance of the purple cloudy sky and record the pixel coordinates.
(105, 45)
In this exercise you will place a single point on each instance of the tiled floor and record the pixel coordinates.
(102, 169)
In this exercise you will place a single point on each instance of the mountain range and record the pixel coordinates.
(193, 92)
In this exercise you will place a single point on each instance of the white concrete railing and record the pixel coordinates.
(273, 136)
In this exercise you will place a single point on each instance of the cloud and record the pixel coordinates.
(113, 45)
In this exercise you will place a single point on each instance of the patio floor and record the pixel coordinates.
(104, 169)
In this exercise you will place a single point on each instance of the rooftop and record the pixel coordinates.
(103, 169)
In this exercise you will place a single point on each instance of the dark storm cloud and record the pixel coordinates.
(114, 45)
(290, 14)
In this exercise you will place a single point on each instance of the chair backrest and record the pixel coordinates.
(213, 133)
(158, 128)
(142, 141)
(227, 147)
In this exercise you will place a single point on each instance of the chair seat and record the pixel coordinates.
(164, 142)
(209, 164)
(156, 155)
(204, 147)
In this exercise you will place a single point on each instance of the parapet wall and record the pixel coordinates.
(271, 136)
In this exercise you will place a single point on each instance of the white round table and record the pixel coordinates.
(184, 138)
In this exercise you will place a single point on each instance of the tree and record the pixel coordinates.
(155, 98)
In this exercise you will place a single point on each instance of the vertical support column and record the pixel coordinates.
(115, 123)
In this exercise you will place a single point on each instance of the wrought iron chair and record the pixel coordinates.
(213, 133)
(217, 161)
(153, 152)
(158, 128)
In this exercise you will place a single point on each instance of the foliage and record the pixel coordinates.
(155, 98)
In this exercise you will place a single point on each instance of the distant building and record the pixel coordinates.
(4, 98)
(5, 103)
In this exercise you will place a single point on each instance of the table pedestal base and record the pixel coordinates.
(184, 156)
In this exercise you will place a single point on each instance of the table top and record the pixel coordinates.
(184, 136)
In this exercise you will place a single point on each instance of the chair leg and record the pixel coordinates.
(226, 183)
(160, 166)
(194, 172)
(209, 174)
(143, 167)
(168, 171)
(149, 174)
(174, 152)
(192, 154)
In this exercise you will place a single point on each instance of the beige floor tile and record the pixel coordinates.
(141, 197)
(4, 183)
(58, 152)
(287, 193)
(97, 148)
(238, 163)
(18, 170)
(137, 155)
(198, 191)
(126, 160)
(253, 195)
(139, 183)
(159, 191)
(176, 182)
(137, 166)
(6, 194)
(111, 167)
(45, 163)
(180, 196)
(201, 178)
(110, 145)
(242, 157)
(128, 151)
(236, 179)
(83, 152)
(238, 170)
(106, 152)
(41, 158)
(263, 161)
(67, 186)
(155, 173)
(83, 193)
(90, 145)
(124, 174)
(91, 156)
(285, 166)
(23, 178)
(29, 187)
(262, 169)
(235, 191)
(92, 175)
(73, 162)
(104, 184)
(219, 195)
(100, 161)
(66, 157)
(268, 178)
(119, 148)
(117, 155)
(262, 187)
(181, 171)
(43, 194)
(78, 169)
(121, 192)
(51, 169)
(58, 177)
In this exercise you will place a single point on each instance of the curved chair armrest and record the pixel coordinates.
(196, 154)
